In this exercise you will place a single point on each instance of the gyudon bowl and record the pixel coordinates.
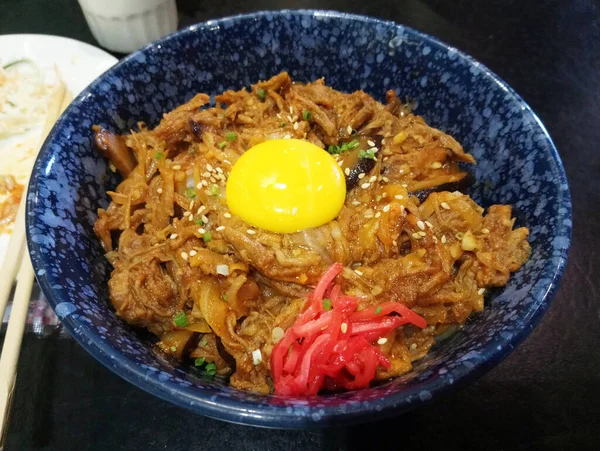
(517, 165)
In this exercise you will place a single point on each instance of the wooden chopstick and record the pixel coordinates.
(17, 253)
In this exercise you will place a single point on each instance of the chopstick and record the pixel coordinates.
(18, 257)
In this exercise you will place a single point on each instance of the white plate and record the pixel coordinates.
(77, 62)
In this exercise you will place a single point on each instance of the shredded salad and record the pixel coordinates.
(333, 346)
(24, 97)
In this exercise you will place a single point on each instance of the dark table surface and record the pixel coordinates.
(545, 395)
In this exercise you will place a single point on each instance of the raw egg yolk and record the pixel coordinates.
(286, 185)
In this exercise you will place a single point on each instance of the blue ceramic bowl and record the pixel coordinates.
(517, 165)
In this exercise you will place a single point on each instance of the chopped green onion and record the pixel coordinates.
(224, 297)
(214, 190)
(282, 124)
(326, 304)
(173, 349)
(334, 150)
(307, 115)
(203, 342)
(191, 193)
(180, 320)
(222, 144)
(199, 221)
(231, 136)
(261, 94)
(158, 155)
(211, 369)
(353, 144)
(378, 310)
(366, 154)
(199, 361)
(206, 237)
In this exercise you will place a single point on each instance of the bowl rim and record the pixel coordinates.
(243, 412)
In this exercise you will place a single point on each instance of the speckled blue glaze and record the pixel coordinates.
(517, 165)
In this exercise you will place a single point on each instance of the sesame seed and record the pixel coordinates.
(344, 327)
(294, 211)
(374, 149)
(445, 206)
(184, 255)
(201, 231)
(159, 190)
(481, 291)
(385, 179)
(227, 215)
(421, 225)
(295, 125)
(361, 175)
(250, 232)
(191, 217)
(204, 219)
(436, 165)
(371, 143)
(218, 229)
(186, 213)
(206, 174)
(173, 236)
(358, 272)
(291, 110)
(384, 195)
(422, 233)
(395, 243)
(399, 196)
(191, 205)
(277, 334)
(383, 141)
(405, 185)
(212, 179)
(386, 208)
(279, 115)
(290, 119)
(347, 171)
(219, 170)
(176, 167)
(198, 186)
(372, 179)
(486, 231)
(355, 202)
(435, 240)
(209, 167)
(365, 185)
(193, 252)
(349, 129)
(368, 214)
(287, 136)
(413, 346)
(378, 214)
(201, 208)
(444, 239)
(204, 183)
(429, 224)
(382, 341)
(416, 236)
